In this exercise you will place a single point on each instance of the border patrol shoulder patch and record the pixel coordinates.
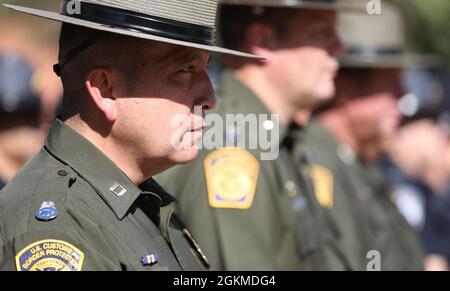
(50, 255)
(231, 175)
(322, 179)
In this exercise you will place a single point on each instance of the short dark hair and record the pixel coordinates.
(110, 46)
(235, 19)
(72, 36)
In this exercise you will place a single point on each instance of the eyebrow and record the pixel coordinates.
(190, 56)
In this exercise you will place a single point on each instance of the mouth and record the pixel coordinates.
(334, 70)
(196, 127)
(191, 135)
(334, 73)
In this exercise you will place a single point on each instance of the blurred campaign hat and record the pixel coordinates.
(306, 4)
(17, 93)
(377, 41)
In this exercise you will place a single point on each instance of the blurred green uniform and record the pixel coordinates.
(352, 195)
(247, 213)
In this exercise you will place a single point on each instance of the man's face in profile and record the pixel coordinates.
(374, 113)
(168, 82)
(306, 63)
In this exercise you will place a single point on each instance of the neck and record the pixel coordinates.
(371, 151)
(339, 128)
(255, 79)
(121, 155)
(303, 117)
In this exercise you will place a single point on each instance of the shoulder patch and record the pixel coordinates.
(323, 180)
(49, 255)
(231, 175)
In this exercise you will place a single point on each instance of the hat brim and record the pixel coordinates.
(75, 21)
(404, 61)
(302, 5)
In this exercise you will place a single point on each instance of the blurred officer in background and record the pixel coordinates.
(417, 167)
(414, 150)
(419, 182)
(247, 212)
(348, 137)
(20, 137)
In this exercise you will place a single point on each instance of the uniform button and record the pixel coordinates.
(305, 158)
(62, 173)
(291, 188)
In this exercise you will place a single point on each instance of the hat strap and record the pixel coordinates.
(57, 68)
(140, 22)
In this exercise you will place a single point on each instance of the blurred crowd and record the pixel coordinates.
(387, 129)
(29, 90)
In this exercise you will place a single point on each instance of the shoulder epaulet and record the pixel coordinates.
(49, 196)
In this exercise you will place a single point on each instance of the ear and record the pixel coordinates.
(99, 84)
(261, 40)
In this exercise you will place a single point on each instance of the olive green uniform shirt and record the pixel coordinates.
(339, 205)
(104, 221)
(387, 229)
(366, 220)
(281, 230)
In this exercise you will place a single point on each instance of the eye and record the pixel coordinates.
(190, 69)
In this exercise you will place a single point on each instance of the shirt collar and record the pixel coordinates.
(343, 151)
(114, 187)
(152, 187)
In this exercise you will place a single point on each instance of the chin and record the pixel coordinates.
(319, 97)
(185, 156)
(326, 93)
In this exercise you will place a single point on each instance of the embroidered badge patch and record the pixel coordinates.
(322, 179)
(50, 255)
(231, 175)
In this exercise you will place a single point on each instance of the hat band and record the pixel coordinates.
(135, 21)
(374, 52)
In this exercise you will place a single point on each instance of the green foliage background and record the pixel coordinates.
(428, 24)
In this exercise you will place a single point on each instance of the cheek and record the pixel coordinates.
(364, 118)
(315, 60)
(181, 95)
(172, 120)
(314, 68)
(142, 120)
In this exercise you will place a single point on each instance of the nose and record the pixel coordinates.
(208, 100)
(392, 107)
